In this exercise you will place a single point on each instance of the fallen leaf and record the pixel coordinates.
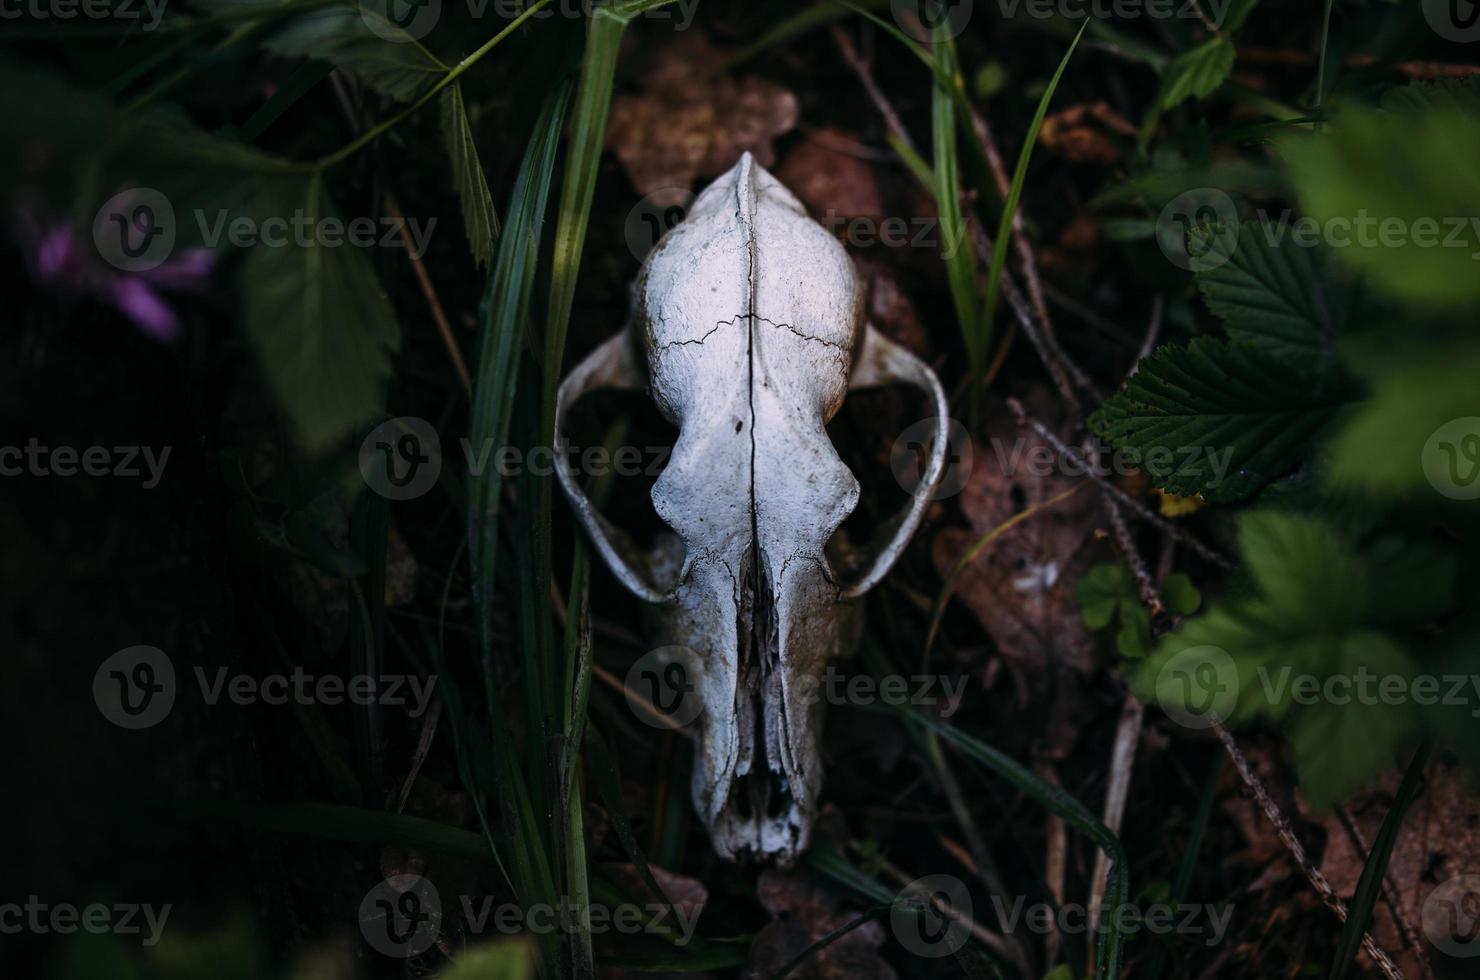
(1021, 587)
(1439, 840)
(1082, 133)
(803, 912)
(687, 124)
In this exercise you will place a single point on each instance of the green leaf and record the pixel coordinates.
(1385, 182)
(1339, 746)
(1134, 638)
(1411, 434)
(1019, 177)
(386, 59)
(1195, 73)
(480, 220)
(1413, 581)
(1235, 13)
(1182, 597)
(1294, 647)
(1099, 593)
(504, 959)
(1308, 572)
(323, 329)
(1216, 419)
(1273, 293)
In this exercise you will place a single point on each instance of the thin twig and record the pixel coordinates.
(1292, 844)
(1055, 863)
(862, 69)
(1122, 762)
(1134, 506)
(1027, 258)
(424, 280)
(1389, 895)
(1153, 330)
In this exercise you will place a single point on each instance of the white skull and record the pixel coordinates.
(750, 315)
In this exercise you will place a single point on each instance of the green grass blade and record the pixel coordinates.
(1117, 889)
(503, 315)
(361, 825)
(1015, 190)
(961, 267)
(1188, 863)
(1369, 886)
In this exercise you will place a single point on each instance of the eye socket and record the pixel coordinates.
(864, 432)
(635, 464)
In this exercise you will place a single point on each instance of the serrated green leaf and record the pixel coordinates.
(1339, 746)
(1195, 73)
(1273, 293)
(1307, 570)
(1295, 648)
(324, 330)
(1413, 581)
(1394, 442)
(480, 220)
(1387, 184)
(386, 59)
(1217, 419)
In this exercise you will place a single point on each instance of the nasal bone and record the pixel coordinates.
(762, 789)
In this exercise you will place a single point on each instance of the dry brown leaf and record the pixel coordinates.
(1082, 133)
(805, 911)
(687, 895)
(1021, 587)
(1440, 839)
(830, 177)
(687, 125)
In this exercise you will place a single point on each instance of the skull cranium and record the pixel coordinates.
(748, 330)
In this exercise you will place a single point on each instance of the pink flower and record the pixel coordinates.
(72, 269)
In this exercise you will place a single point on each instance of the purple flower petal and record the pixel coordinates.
(55, 255)
(190, 271)
(135, 300)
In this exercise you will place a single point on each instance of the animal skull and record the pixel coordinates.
(749, 317)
